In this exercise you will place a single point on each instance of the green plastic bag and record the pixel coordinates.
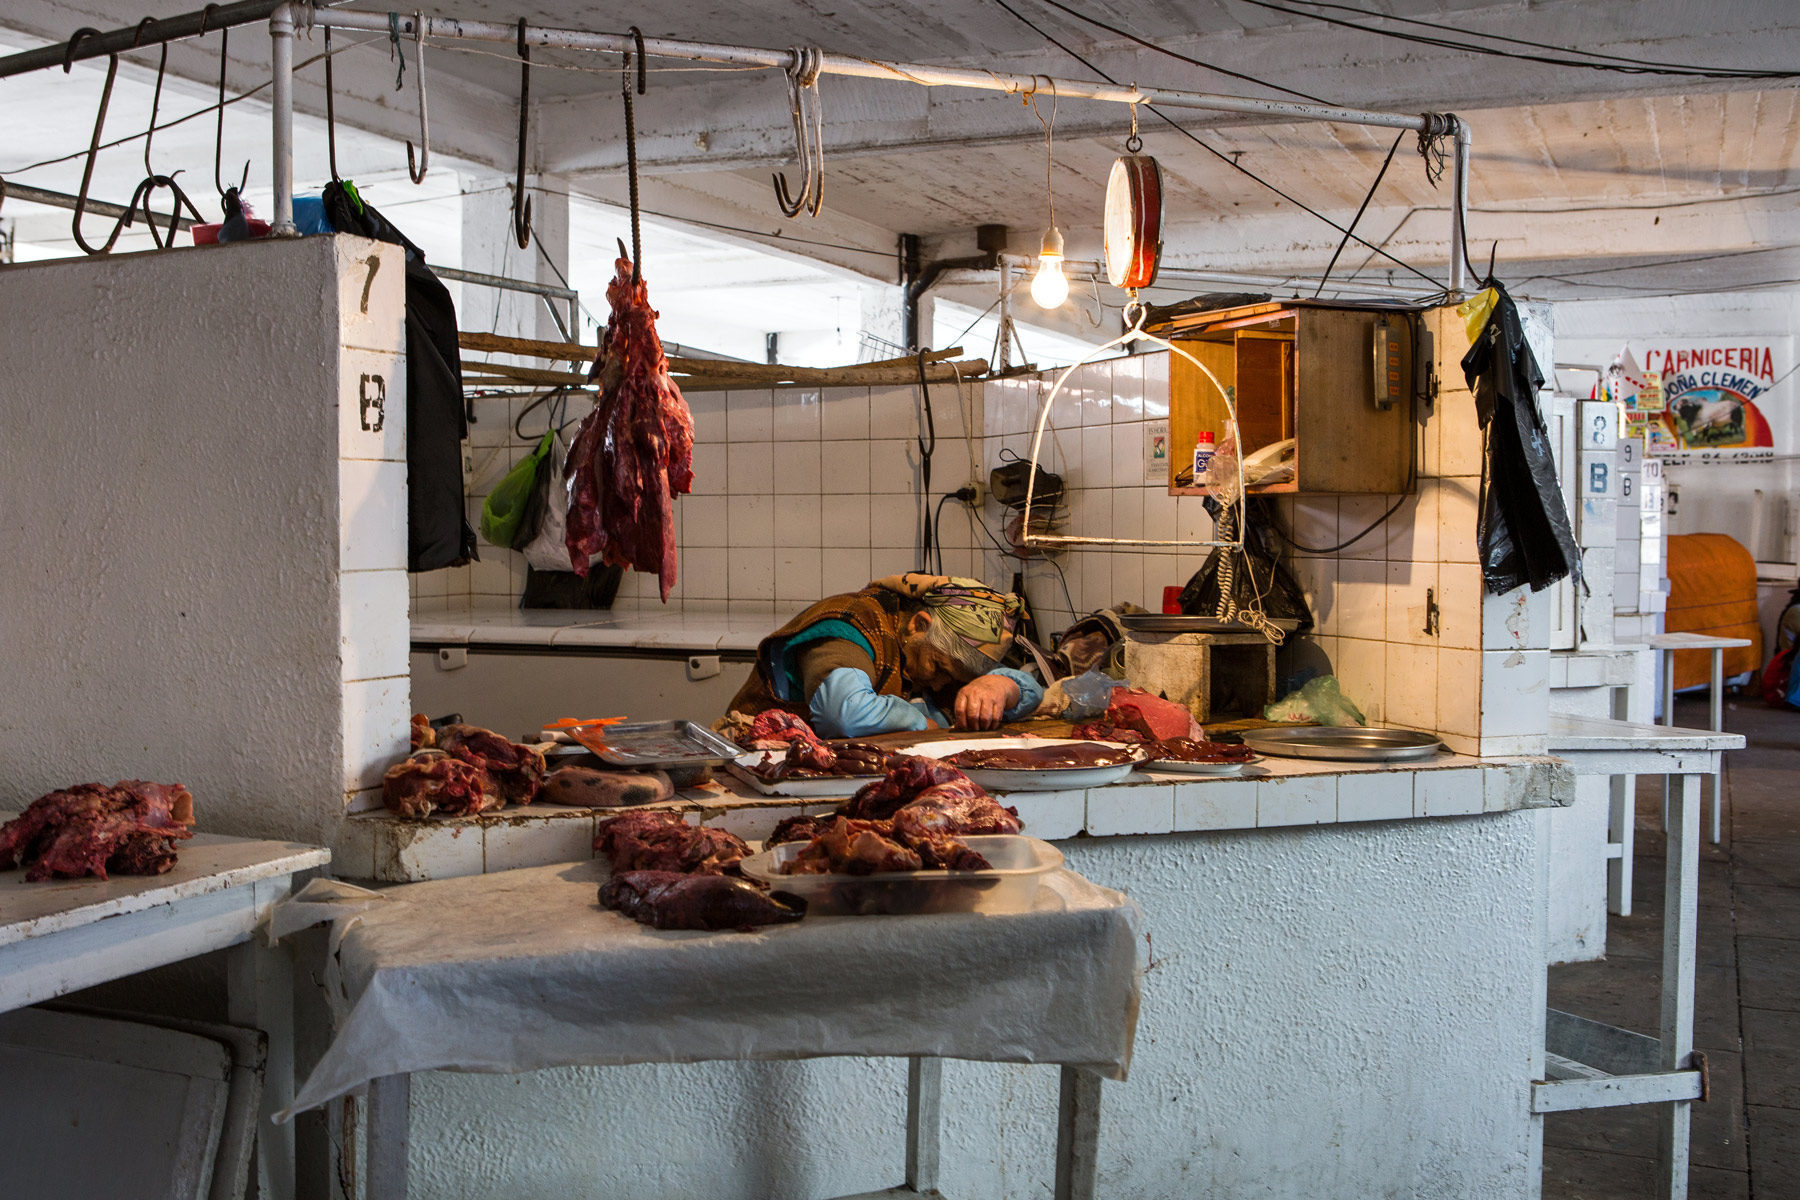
(1319, 700)
(506, 505)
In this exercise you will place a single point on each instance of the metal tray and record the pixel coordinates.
(1148, 622)
(665, 744)
(1345, 743)
(1176, 767)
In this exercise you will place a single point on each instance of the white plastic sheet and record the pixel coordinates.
(319, 901)
(522, 970)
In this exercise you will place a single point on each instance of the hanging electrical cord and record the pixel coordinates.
(1218, 154)
(926, 449)
(1617, 64)
(1360, 210)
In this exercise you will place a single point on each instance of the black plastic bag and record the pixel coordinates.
(1259, 581)
(1524, 534)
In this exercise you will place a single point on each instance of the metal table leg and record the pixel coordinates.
(390, 1135)
(259, 981)
(1621, 833)
(1681, 898)
(924, 1123)
(1668, 718)
(1077, 1135)
(1717, 697)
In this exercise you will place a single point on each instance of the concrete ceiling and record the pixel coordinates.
(1590, 182)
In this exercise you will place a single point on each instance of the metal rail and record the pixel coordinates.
(286, 18)
(922, 74)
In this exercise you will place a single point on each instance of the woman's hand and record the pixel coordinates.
(983, 703)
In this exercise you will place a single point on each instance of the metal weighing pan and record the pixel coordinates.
(1148, 622)
(665, 744)
(1345, 743)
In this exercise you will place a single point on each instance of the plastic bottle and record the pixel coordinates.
(1203, 452)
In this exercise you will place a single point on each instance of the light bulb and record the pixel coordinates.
(1050, 287)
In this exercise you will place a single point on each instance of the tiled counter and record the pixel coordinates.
(1272, 793)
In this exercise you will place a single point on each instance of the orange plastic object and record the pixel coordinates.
(1712, 590)
(587, 731)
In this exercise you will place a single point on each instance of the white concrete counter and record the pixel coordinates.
(1273, 793)
(628, 628)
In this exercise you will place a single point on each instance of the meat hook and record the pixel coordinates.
(417, 174)
(86, 31)
(87, 173)
(521, 205)
(809, 134)
(219, 129)
(631, 167)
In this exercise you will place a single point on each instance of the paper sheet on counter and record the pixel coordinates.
(522, 970)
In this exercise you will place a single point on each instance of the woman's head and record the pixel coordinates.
(962, 630)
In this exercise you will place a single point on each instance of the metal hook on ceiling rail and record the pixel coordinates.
(417, 174)
(631, 167)
(809, 134)
(521, 205)
(87, 172)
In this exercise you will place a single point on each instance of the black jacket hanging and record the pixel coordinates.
(1524, 534)
(437, 523)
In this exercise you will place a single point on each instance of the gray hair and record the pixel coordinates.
(965, 657)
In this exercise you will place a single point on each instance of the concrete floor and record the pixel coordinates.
(1746, 1140)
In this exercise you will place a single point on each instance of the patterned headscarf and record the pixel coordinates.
(976, 622)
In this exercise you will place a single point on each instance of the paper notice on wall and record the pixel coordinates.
(1649, 397)
(1156, 452)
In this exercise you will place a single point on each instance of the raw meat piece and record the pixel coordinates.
(947, 802)
(1191, 750)
(430, 781)
(855, 848)
(130, 827)
(953, 809)
(946, 853)
(662, 841)
(424, 737)
(908, 777)
(635, 452)
(778, 730)
(1100, 731)
(517, 771)
(1156, 719)
(585, 787)
(798, 829)
(1037, 758)
(674, 900)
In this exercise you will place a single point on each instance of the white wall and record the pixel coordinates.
(1351, 1011)
(204, 580)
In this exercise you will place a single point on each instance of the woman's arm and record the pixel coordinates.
(846, 704)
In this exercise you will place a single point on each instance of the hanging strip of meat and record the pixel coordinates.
(635, 452)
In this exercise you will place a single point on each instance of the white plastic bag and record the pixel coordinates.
(548, 551)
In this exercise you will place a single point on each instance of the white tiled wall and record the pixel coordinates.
(797, 494)
(801, 493)
(373, 629)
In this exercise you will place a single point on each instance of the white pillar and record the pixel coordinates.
(490, 248)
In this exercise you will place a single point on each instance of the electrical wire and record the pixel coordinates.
(1005, 552)
(1218, 154)
(1616, 63)
(926, 450)
(1214, 67)
(1360, 210)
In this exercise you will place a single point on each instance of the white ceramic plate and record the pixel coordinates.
(1197, 768)
(828, 786)
(1038, 779)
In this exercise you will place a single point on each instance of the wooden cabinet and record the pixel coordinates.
(1337, 380)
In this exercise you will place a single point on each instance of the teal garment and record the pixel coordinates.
(784, 669)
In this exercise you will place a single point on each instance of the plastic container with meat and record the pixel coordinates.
(1010, 886)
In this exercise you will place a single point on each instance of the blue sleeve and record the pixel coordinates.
(1031, 693)
(846, 704)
